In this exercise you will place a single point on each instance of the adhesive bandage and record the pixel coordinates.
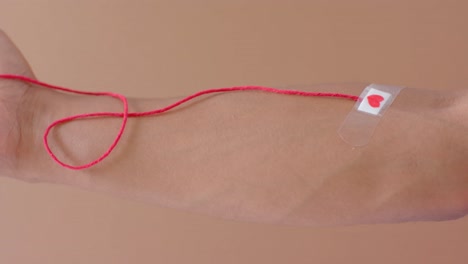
(358, 127)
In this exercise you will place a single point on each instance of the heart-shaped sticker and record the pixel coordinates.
(374, 100)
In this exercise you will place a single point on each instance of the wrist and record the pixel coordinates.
(38, 109)
(76, 142)
(35, 112)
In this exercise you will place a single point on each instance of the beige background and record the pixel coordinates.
(167, 48)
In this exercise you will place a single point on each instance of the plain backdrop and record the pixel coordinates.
(165, 48)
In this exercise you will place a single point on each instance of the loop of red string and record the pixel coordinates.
(125, 114)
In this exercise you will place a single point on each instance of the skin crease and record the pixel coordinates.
(248, 156)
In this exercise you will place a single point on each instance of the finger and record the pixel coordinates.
(11, 59)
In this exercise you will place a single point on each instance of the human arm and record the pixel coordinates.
(264, 157)
(257, 156)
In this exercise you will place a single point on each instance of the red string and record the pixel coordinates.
(125, 114)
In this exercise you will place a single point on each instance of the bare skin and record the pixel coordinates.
(247, 156)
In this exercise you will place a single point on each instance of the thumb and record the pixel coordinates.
(11, 59)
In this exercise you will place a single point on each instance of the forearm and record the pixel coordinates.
(259, 156)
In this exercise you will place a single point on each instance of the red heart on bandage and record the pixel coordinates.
(374, 100)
